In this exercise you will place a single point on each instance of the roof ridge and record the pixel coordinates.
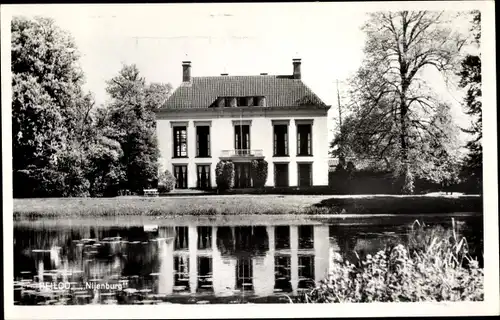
(238, 75)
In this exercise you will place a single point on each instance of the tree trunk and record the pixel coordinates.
(408, 181)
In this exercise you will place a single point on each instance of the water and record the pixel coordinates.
(198, 261)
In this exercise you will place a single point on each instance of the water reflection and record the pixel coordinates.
(187, 264)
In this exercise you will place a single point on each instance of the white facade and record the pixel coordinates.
(260, 121)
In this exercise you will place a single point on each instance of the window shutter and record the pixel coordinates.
(286, 141)
(199, 176)
(198, 142)
(310, 175)
(309, 151)
(275, 142)
(236, 138)
(298, 140)
(208, 142)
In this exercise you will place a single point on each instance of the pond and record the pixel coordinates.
(198, 260)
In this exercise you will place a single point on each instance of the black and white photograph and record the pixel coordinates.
(239, 160)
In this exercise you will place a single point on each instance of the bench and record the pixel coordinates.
(151, 192)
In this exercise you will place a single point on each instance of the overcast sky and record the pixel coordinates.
(241, 39)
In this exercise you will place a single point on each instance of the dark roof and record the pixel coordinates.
(280, 91)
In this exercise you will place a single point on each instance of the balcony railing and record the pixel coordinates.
(241, 153)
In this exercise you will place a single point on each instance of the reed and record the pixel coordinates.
(433, 265)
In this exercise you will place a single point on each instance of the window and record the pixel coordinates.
(181, 238)
(204, 238)
(205, 282)
(306, 271)
(306, 237)
(181, 272)
(281, 174)
(202, 141)
(305, 174)
(282, 271)
(230, 102)
(244, 274)
(242, 102)
(282, 237)
(204, 176)
(242, 177)
(180, 174)
(304, 140)
(259, 101)
(280, 140)
(180, 142)
(242, 138)
(251, 101)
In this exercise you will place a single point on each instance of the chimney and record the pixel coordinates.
(296, 68)
(263, 74)
(186, 71)
(224, 74)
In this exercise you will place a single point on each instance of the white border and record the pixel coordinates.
(489, 307)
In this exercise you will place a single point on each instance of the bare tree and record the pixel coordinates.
(394, 107)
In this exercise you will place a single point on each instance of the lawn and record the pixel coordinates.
(240, 205)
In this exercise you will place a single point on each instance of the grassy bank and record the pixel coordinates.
(239, 205)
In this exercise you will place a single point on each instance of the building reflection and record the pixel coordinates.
(256, 260)
(190, 259)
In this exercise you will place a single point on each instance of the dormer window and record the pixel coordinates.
(242, 102)
(232, 102)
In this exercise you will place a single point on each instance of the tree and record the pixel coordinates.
(166, 181)
(394, 109)
(224, 175)
(47, 95)
(132, 121)
(470, 80)
(259, 172)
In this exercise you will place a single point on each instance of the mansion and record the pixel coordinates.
(241, 118)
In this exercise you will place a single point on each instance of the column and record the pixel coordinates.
(191, 140)
(292, 145)
(193, 258)
(321, 252)
(294, 259)
(272, 238)
(166, 272)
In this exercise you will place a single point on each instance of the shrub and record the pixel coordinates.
(166, 182)
(224, 175)
(436, 267)
(259, 172)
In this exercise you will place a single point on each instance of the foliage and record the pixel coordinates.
(166, 182)
(104, 170)
(224, 175)
(434, 266)
(394, 113)
(62, 144)
(259, 172)
(131, 117)
(470, 80)
(46, 98)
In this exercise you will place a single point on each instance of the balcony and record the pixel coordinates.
(241, 154)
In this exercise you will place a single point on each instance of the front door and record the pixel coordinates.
(281, 174)
(242, 177)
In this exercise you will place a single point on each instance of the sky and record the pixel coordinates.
(239, 39)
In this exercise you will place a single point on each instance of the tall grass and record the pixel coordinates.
(235, 205)
(434, 265)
